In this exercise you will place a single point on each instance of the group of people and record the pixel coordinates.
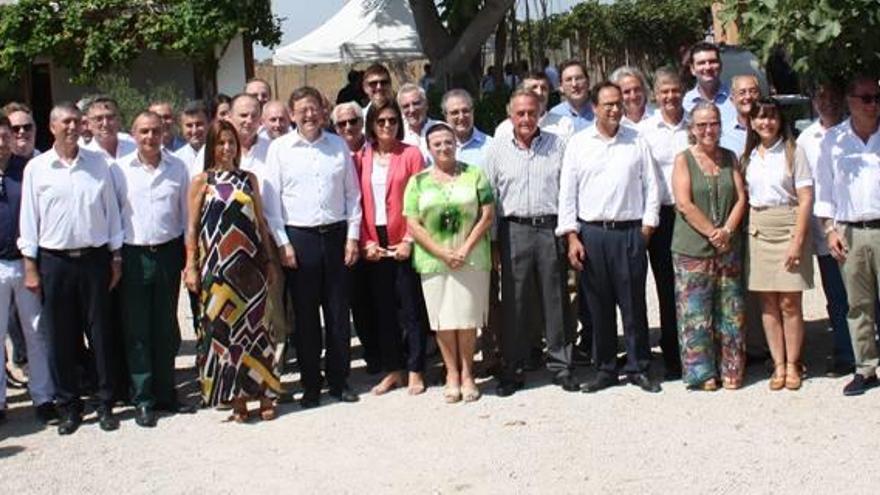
(288, 221)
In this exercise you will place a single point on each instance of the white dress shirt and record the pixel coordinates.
(68, 206)
(809, 142)
(768, 180)
(848, 176)
(650, 110)
(561, 125)
(152, 201)
(417, 139)
(189, 156)
(665, 141)
(308, 184)
(608, 179)
(125, 145)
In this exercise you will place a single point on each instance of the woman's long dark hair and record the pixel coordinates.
(218, 127)
(769, 107)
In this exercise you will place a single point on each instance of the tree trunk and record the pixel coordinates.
(455, 55)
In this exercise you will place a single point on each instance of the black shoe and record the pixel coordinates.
(2, 414)
(673, 373)
(837, 369)
(310, 400)
(144, 416)
(46, 413)
(374, 368)
(344, 394)
(859, 384)
(580, 357)
(506, 388)
(69, 423)
(107, 420)
(642, 381)
(601, 381)
(567, 382)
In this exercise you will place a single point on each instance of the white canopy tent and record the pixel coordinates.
(362, 31)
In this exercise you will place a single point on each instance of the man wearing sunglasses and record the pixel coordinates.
(848, 204)
(377, 85)
(13, 295)
(24, 131)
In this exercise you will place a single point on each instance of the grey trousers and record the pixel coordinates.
(533, 279)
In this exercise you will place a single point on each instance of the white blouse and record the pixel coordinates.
(379, 181)
(769, 181)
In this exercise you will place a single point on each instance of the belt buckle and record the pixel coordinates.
(152, 248)
(323, 229)
(536, 221)
(609, 224)
(75, 253)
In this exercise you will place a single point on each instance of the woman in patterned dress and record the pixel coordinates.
(226, 246)
(710, 202)
(449, 208)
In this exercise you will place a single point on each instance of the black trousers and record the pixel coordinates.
(533, 279)
(76, 299)
(661, 266)
(615, 272)
(363, 313)
(320, 283)
(402, 320)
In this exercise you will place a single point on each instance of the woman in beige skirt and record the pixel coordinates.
(780, 189)
(449, 208)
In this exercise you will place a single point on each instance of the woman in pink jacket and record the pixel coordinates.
(384, 168)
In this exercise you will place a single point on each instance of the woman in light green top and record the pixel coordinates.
(449, 208)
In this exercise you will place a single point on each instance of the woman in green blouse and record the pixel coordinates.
(449, 209)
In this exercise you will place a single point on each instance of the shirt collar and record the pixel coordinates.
(477, 138)
(722, 95)
(297, 139)
(536, 141)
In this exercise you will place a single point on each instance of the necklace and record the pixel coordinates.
(712, 185)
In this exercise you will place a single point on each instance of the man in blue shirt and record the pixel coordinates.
(575, 84)
(705, 62)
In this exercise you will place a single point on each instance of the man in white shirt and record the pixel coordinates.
(102, 116)
(848, 202)
(414, 106)
(746, 92)
(151, 188)
(705, 64)
(276, 119)
(635, 100)
(312, 200)
(194, 126)
(561, 125)
(170, 140)
(70, 235)
(609, 204)
(666, 133)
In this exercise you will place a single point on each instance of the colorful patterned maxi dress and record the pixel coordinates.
(235, 349)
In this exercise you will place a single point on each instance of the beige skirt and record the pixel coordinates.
(456, 300)
(770, 232)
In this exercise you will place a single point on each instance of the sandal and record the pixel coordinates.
(731, 383)
(389, 383)
(794, 375)
(240, 413)
(470, 393)
(709, 385)
(267, 410)
(451, 394)
(418, 387)
(777, 380)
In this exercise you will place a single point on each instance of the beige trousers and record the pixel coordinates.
(861, 272)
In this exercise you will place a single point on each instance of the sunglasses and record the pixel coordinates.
(386, 121)
(378, 82)
(24, 127)
(348, 123)
(868, 99)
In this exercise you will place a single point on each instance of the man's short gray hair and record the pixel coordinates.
(349, 104)
(665, 75)
(627, 71)
(64, 107)
(456, 93)
(411, 88)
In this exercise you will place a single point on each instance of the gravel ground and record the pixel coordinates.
(619, 441)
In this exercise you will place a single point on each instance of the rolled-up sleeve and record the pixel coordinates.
(568, 191)
(650, 185)
(29, 217)
(352, 199)
(271, 194)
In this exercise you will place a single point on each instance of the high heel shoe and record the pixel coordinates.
(794, 375)
(777, 380)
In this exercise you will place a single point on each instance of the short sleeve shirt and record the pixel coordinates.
(768, 178)
(449, 211)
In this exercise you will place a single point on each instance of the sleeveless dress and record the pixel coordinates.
(235, 349)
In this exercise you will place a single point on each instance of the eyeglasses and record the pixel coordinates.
(868, 99)
(375, 83)
(22, 128)
(702, 126)
(386, 121)
(749, 92)
(346, 123)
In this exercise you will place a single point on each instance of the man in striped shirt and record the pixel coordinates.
(523, 169)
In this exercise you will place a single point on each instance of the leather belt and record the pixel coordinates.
(72, 253)
(153, 247)
(324, 229)
(614, 224)
(538, 221)
(865, 224)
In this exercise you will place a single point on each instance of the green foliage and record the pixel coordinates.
(132, 101)
(91, 36)
(825, 39)
(491, 109)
